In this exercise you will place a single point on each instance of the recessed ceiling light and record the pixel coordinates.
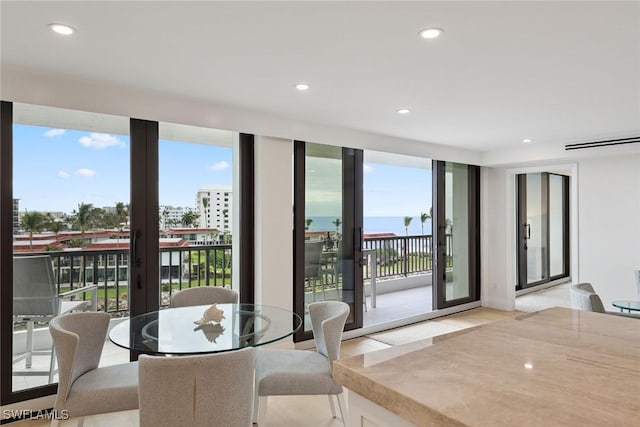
(65, 30)
(403, 111)
(527, 140)
(431, 33)
(302, 86)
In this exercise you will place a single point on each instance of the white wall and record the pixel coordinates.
(605, 227)
(274, 222)
(498, 290)
(609, 221)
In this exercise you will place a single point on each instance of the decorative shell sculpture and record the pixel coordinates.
(211, 314)
(211, 331)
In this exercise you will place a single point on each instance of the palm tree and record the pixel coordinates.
(337, 223)
(307, 223)
(55, 226)
(423, 218)
(122, 217)
(32, 222)
(205, 204)
(189, 218)
(122, 213)
(407, 222)
(83, 217)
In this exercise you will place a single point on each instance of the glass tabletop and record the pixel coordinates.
(174, 330)
(627, 305)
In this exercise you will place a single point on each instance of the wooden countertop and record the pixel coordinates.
(554, 367)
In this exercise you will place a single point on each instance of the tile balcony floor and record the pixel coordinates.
(286, 410)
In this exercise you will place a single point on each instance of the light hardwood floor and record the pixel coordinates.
(314, 410)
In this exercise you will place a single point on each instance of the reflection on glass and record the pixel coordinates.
(457, 231)
(536, 228)
(71, 198)
(323, 263)
(556, 224)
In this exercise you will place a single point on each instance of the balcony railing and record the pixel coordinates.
(210, 265)
(404, 255)
(185, 267)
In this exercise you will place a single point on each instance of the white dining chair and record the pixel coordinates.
(203, 295)
(83, 387)
(301, 372)
(213, 390)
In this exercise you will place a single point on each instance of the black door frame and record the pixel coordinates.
(144, 243)
(352, 239)
(522, 230)
(439, 273)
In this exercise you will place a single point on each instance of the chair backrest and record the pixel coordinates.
(203, 390)
(312, 258)
(584, 297)
(203, 295)
(79, 339)
(327, 322)
(34, 287)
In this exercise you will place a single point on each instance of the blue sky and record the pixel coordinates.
(56, 169)
(396, 191)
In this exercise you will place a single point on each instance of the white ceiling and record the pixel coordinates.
(557, 72)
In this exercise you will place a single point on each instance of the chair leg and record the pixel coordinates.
(331, 405)
(29, 347)
(342, 405)
(52, 363)
(262, 410)
(256, 404)
(80, 421)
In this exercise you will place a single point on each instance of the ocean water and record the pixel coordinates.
(376, 224)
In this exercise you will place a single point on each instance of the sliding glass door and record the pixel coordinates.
(80, 202)
(543, 231)
(327, 230)
(457, 236)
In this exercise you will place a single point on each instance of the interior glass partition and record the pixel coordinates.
(542, 228)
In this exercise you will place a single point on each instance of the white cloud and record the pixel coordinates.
(100, 141)
(220, 166)
(85, 172)
(63, 174)
(54, 132)
(366, 168)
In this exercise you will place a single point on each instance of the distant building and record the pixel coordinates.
(16, 216)
(170, 216)
(214, 207)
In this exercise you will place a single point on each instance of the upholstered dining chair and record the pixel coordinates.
(584, 297)
(83, 387)
(313, 266)
(197, 391)
(203, 295)
(36, 299)
(302, 372)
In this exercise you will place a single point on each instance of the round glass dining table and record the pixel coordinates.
(175, 331)
(627, 305)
